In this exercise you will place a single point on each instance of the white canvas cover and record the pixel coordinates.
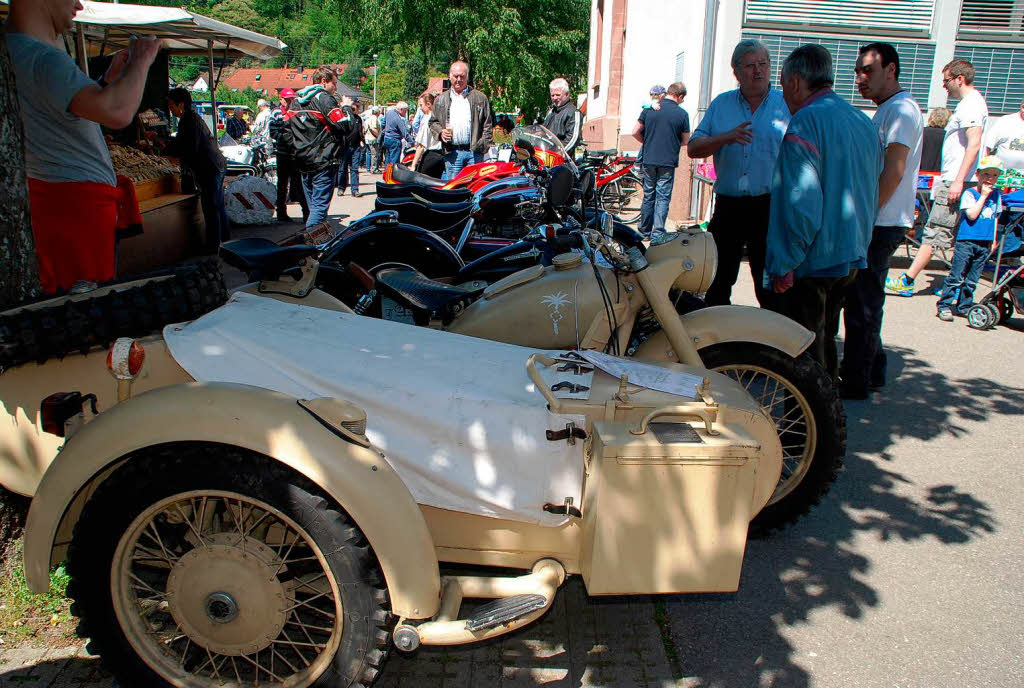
(457, 417)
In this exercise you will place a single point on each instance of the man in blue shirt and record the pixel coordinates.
(824, 199)
(742, 129)
(662, 132)
(396, 132)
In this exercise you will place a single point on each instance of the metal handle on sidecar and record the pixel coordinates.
(695, 409)
(554, 404)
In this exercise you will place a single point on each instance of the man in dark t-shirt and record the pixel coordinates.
(662, 132)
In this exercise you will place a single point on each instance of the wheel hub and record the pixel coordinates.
(226, 596)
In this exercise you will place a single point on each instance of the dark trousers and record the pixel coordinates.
(432, 164)
(211, 198)
(738, 222)
(349, 168)
(319, 187)
(958, 290)
(289, 187)
(815, 302)
(864, 360)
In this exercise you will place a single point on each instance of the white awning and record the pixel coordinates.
(109, 27)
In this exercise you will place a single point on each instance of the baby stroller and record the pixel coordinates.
(1007, 292)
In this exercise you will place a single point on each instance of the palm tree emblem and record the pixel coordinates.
(554, 302)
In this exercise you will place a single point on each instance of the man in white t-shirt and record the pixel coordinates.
(1006, 140)
(900, 126)
(961, 149)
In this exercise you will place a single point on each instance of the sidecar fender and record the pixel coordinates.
(718, 324)
(359, 479)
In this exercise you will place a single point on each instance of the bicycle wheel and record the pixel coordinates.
(622, 198)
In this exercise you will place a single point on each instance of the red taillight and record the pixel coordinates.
(125, 358)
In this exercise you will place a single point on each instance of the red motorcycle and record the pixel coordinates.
(476, 176)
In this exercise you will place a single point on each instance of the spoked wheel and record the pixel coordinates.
(212, 566)
(799, 396)
(622, 198)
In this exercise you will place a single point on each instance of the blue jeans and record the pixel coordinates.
(392, 151)
(319, 187)
(455, 160)
(349, 168)
(658, 182)
(958, 289)
(371, 156)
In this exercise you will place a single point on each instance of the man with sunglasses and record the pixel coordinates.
(742, 129)
(960, 151)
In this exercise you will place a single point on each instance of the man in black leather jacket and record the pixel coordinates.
(563, 119)
(318, 128)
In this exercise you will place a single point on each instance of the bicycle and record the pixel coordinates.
(619, 187)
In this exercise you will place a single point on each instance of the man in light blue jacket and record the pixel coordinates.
(824, 199)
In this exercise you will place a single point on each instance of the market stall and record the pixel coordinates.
(172, 222)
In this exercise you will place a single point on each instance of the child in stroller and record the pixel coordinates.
(1007, 292)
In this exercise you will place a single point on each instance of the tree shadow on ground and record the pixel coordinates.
(736, 640)
(715, 641)
(75, 671)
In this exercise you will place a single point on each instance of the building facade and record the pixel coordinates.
(635, 44)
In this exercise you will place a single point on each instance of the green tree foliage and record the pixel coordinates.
(415, 76)
(513, 51)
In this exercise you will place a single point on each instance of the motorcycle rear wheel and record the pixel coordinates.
(800, 397)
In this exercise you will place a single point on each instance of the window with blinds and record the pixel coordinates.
(999, 75)
(915, 62)
(881, 16)
(996, 18)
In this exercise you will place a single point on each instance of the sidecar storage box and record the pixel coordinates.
(666, 511)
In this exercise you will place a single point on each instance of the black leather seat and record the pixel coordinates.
(437, 217)
(597, 154)
(403, 175)
(262, 258)
(413, 288)
(430, 194)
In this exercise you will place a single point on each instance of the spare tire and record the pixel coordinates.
(134, 307)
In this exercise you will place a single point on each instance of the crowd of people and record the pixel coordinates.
(819, 196)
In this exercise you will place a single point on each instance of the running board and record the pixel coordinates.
(519, 601)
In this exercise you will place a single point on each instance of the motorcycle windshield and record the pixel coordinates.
(548, 149)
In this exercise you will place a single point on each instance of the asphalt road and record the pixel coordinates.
(909, 573)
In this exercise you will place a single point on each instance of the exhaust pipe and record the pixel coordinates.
(520, 601)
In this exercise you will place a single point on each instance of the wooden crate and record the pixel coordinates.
(152, 188)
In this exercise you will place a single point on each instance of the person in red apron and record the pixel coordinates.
(74, 196)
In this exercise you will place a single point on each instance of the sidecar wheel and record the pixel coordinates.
(200, 565)
(800, 396)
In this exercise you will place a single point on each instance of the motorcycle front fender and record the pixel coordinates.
(720, 324)
(274, 425)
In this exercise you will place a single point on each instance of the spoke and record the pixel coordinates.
(155, 537)
(238, 676)
(258, 521)
(184, 655)
(295, 561)
(260, 667)
(309, 583)
(320, 646)
(145, 585)
(290, 548)
(189, 524)
(283, 659)
(324, 629)
(306, 603)
(295, 647)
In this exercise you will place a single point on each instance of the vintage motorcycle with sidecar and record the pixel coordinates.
(567, 300)
(233, 513)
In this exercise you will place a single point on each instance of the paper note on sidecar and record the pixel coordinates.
(311, 468)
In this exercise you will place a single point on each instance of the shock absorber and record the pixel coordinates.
(364, 302)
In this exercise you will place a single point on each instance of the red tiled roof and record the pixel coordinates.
(271, 81)
(436, 84)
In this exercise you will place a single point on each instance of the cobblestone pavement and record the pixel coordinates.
(908, 573)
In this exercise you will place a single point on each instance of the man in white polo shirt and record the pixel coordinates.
(901, 127)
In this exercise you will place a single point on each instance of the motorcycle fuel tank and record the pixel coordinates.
(551, 308)
(502, 206)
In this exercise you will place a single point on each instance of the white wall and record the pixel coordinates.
(656, 32)
(597, 107)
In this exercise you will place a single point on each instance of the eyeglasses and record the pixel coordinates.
(947, 80)
(763, 64)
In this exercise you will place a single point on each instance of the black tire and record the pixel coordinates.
(135, 308)
(169, 470)
(809, 378)
(622, 198)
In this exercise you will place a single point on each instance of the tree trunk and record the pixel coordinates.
(19, 272)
